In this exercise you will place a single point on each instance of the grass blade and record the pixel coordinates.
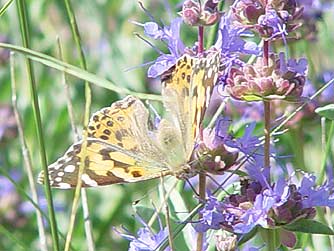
(22, 13)
(76, 71)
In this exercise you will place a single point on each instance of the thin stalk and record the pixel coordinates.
(167, 217)
(266, 134)
(76, 136)
(5, 7)
(291, 115)
(179, 227)
(88, 97)
(265, 53)
(156, 213)
(23, 193)
(266, 105)
(200, 39)
(26, 157)
(218, 113)
(201, 176)
(22, 13)
(327, 150)
(202, 197)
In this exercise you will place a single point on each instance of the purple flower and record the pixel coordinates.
(261, 204)
(231, 44)
(212, 215)
(6, 186)
(249, 145)
(315, 196)
(146, 239)
(170, 35)
(273, 22)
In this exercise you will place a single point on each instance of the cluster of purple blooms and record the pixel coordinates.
(265, 200)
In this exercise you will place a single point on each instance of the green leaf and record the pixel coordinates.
(326, 111)
(251, 98)
(248, 236)
(309, 226)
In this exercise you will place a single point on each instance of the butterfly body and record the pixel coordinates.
(122, 147)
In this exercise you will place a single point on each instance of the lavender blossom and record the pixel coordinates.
(146, 239)
(231, 44)
(170, 35)
(261, 204)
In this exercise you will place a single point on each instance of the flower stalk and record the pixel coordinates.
(270, 237)
(266, 104)
(201, 176)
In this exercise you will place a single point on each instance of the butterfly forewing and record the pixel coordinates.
(186, 90)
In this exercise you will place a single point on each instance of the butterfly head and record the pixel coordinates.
(185, 172)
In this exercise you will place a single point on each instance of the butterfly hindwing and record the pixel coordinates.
(118, 150)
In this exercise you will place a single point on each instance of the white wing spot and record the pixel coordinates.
(69, 169)
(56, 167)
(88, 181)
(210, 73)
(61, 174)
(63, 185)
(58, 179)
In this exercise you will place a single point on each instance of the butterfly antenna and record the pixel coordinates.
(157, 117)
(192, 187)
(216, 182)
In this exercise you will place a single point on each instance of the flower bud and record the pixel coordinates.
(194, 14)
(277, 80)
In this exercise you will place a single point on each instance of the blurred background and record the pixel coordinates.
(111, 48)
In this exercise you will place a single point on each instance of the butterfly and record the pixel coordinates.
(123, 146)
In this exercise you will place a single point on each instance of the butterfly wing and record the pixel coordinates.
(186, 89)
(119, 149)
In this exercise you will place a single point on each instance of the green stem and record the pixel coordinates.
(26, 157)
(22, 13)
(5, 7)
(270, 238)
(267, 134)
(202, 195)
(327, 150)
(88, 97)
